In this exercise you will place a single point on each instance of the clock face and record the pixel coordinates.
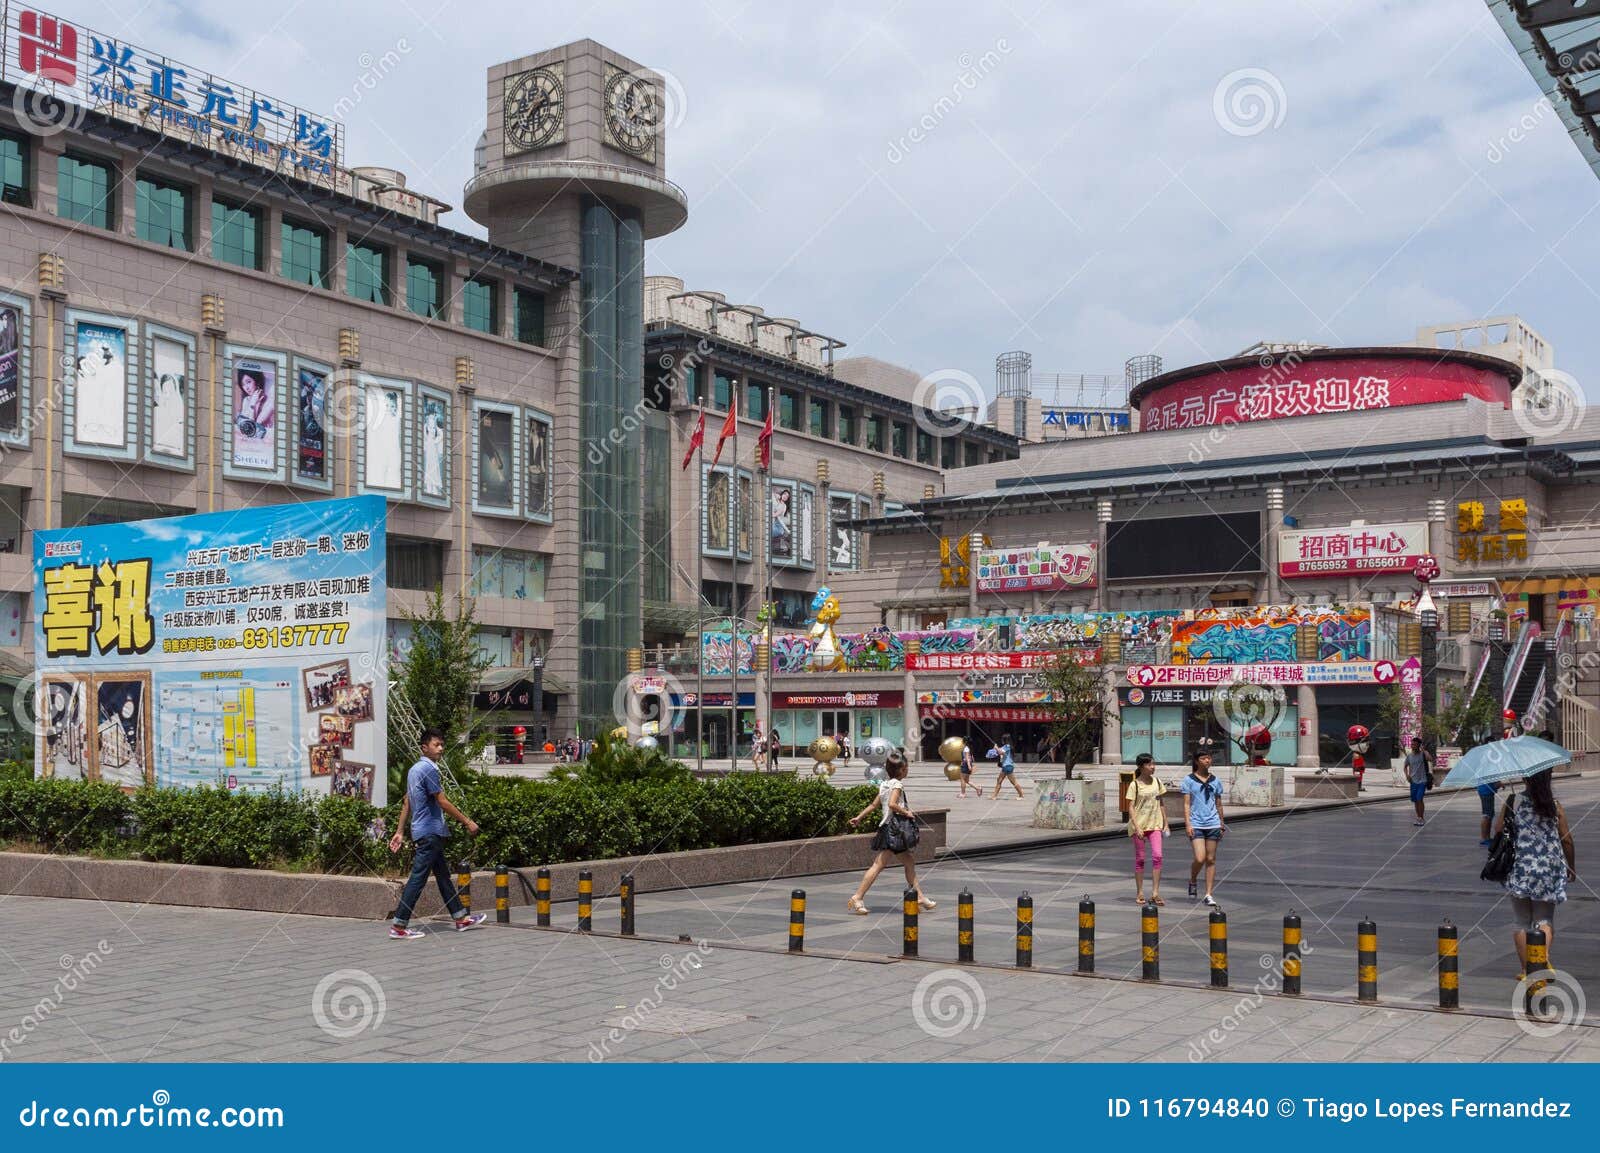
(634, 113)
(535, 110)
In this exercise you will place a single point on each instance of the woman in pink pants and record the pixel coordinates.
(1147, 821)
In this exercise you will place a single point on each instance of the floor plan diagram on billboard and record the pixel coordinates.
(238, 729)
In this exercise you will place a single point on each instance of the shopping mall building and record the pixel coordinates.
(205, 305)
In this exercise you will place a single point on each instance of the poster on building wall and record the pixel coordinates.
(717, 501)
(841, 540)
(539, 481)
(747, 512)
(385, 438)
(242, 649)
(494, 458)
(806, 550)
(100, 386)
(169, 397)
(255, 416)
(435, 424)
(781, 513)
(1036, 568)
(312, 413)
(10, 370)
(1352, 549)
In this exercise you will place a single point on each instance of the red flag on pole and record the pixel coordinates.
(727, 431)
(696, 438)
(764, 442)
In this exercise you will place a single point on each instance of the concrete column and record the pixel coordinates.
(911, 719)
(1307, 755)
(1274, 523)
(1102, 516)
(1439, 531)
(974, 545)
(1111, 729)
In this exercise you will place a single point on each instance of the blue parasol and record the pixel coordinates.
(1508, 760)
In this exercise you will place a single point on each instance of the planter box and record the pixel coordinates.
(1070, 804)
(1327, 787)
(1258, 786)
(370, 898)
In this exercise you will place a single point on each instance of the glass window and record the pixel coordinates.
(14, 169)
(821, 418)
(415, 564)
(480, 305)
(697, 384)
(509, 573)
(875, 432)
(424, 287)
(847, 424)
(949, 453)
(755, 400)
(902, 439)
(304, 253)
(236, 234)
(924, 447)
(161, 212)
(721, 391)
(972, 453)
(366, 272)
(83, 191)
(530, 316)
(789, 408)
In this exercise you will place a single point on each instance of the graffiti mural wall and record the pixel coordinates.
(1267, 633)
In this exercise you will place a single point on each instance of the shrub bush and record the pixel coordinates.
(63, 816)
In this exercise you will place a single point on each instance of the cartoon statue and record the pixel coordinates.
(826, 656)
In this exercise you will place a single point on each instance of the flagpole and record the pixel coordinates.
(766, 521)
(700, 609)
(733, 662)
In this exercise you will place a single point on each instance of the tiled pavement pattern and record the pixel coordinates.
(184, 984)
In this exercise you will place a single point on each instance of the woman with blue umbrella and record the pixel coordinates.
(1545, 857)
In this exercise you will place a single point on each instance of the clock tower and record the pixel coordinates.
(571, 169)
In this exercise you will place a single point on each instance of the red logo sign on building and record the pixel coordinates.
(47, 47)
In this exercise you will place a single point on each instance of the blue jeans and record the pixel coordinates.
(429, 858)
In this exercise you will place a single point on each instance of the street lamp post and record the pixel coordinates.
(1428, 616)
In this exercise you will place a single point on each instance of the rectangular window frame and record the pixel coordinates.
(386, 271)
(900, 440)
(875, 432)
(792, 401)
(164, 184)
(232, 353)
(223, 205)
(493, 287)
(369, 384)
(755, 399)
(813, 408)
(153, 332)
(129, 449)
(519, 293)
(108, 206)
(287, 227)
(514, 412)
(428, 392)
(20, 194)
(22, 435)
(720, 400)
(436, 309)
(847, 415)
(332, 382)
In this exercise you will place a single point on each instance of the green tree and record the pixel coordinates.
(1077, 694)
(438, 674)
(1460, 721)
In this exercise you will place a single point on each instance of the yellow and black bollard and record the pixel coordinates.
(1291, 954)
(1024, 932)
(625, 892)
(964, 950)
(797, 921)
(1449, 967)
(1150, 932)
(464, 885)
(908, 946)
(1218, 925)
(585, 901)
(1086, 935)
(1366, 960)
(1538, 962)
(502, 896)
(541, 898)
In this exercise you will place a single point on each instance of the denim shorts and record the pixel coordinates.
(1419, 789)
(1207, 835)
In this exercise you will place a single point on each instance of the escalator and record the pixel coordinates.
(1525, 681)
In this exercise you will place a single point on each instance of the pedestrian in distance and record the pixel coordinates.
(1008, 767)
(1147, 825)
(969, 762)
(426, 805)
(1203, 820)
(1419, 772)
(774, 748)
(1486, 803)
(1545, 861)
(890, 843)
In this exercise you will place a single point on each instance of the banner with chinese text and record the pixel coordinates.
(1352, 549)
(244, 649)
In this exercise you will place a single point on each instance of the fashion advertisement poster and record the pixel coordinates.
(312, 463)
(169, 398)
(782, 522)
(806, 550)
(255, 414)
(385, 428)
(10, 371)
(433, 438)
(494, 459)
(717, 501)
(538, 467)
(841, 541)
(747, 512)
(100, 386)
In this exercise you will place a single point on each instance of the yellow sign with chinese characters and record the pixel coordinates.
(955, 561)
(1476, 544)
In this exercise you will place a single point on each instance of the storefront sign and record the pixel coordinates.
(1185, 695)
(1354, 549)
(1479, 540)
(61, 61)
(1112, 420)
(242, 648)
(890, 699)
(962, 662)
(714, 700)
(1463, 590)
(1036, 568)
(517, 696)
(955, 555)
(1342, 673)
(990, 713)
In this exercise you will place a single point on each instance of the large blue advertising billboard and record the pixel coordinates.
(243, 648)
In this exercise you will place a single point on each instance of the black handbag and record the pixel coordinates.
(1502, 850)
(900, 833)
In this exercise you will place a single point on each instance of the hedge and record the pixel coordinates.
(522, 822)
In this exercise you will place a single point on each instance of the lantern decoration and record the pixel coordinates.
(822, 751)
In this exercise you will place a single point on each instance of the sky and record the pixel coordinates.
(936, 183)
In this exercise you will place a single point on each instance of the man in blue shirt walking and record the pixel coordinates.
(426, 803)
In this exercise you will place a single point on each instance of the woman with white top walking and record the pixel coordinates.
(896, 837)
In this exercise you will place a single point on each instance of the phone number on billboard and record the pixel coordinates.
(287, 637)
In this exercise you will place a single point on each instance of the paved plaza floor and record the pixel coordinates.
(189, 984)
